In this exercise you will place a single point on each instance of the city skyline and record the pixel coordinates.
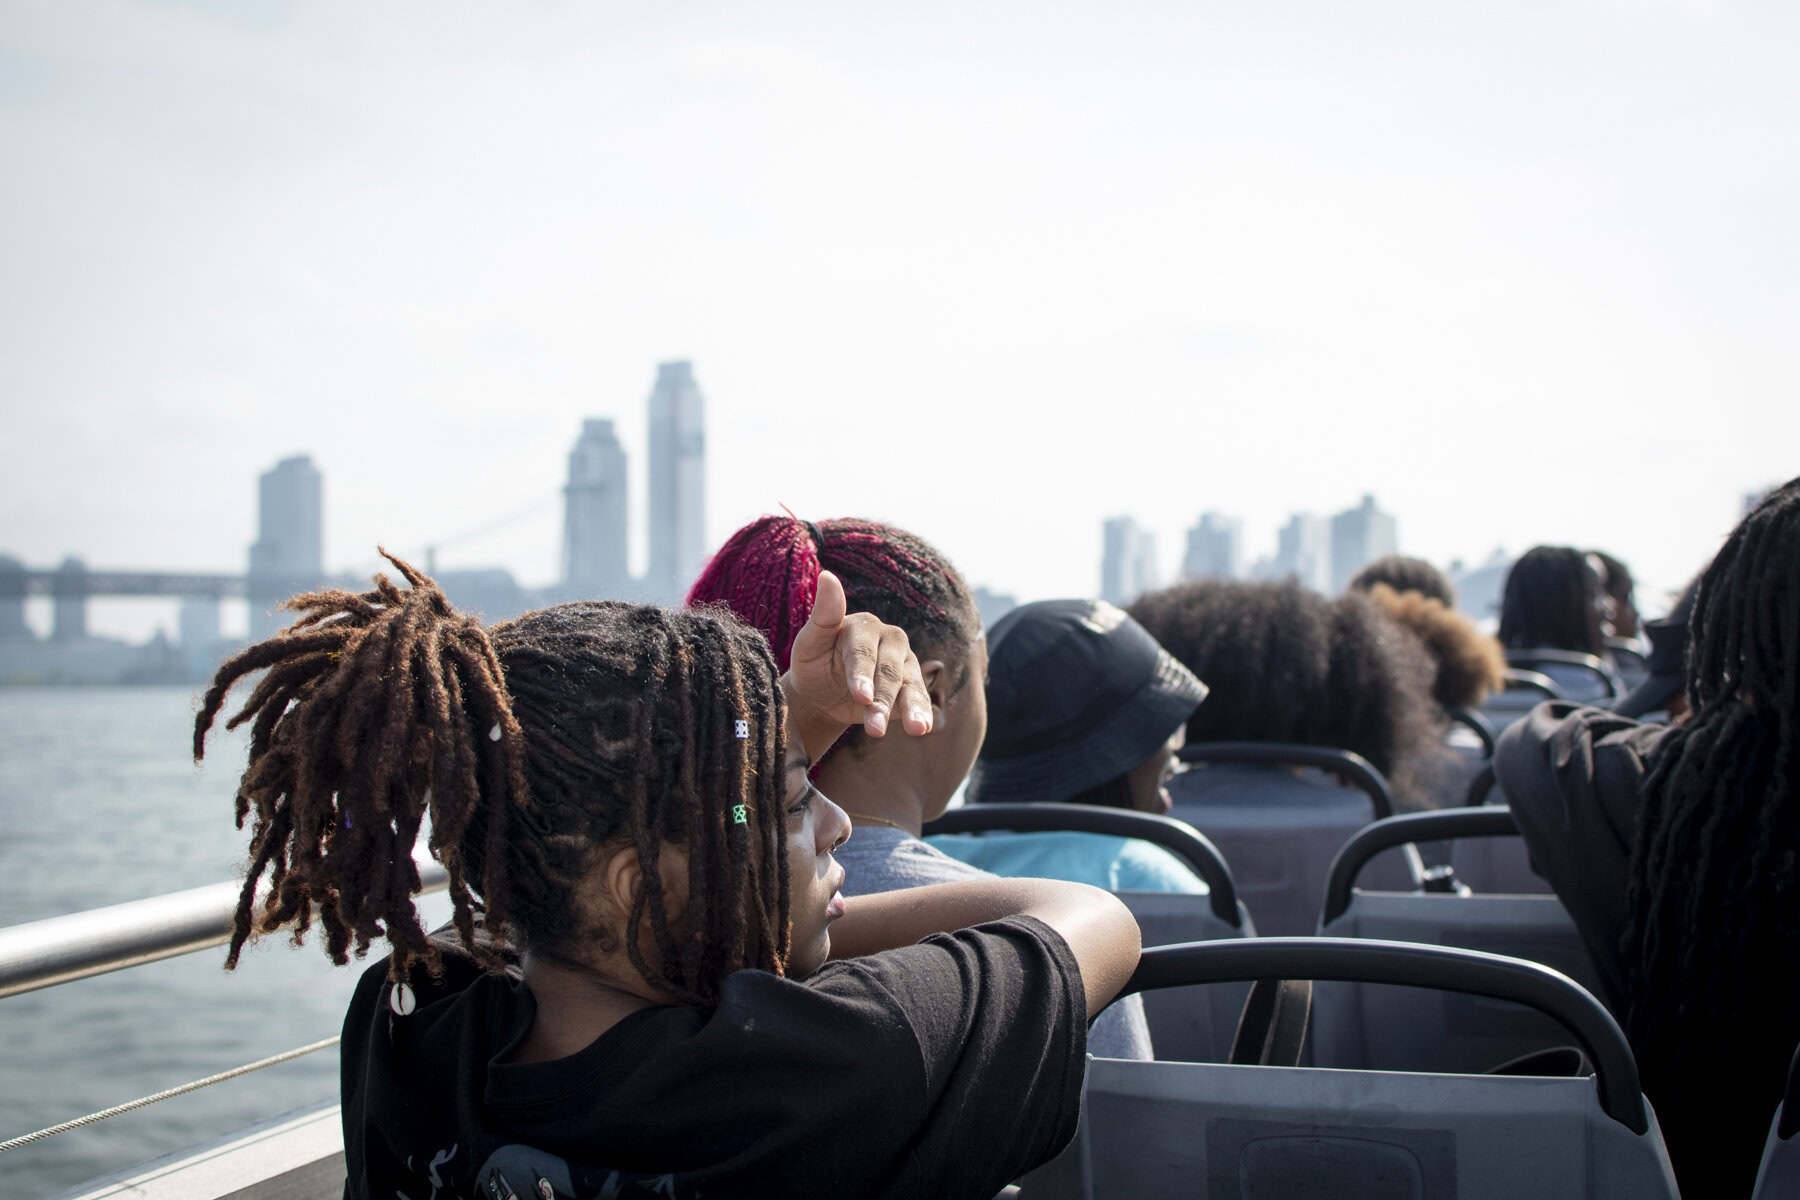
(1153, 260)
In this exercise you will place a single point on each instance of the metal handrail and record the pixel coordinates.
(41, 954)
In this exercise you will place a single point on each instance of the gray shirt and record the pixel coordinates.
(880, 859)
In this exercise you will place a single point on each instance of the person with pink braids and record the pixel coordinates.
(767, 574)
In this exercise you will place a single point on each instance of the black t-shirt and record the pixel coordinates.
(947, 1068)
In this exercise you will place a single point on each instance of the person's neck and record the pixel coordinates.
(874, 795)
(575, 1005)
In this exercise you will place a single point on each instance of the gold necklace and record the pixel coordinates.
(879, 821)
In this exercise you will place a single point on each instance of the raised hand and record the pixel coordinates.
(850, 668)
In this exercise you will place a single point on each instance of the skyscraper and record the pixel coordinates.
(1127, 561)
(595, 518)
(1360, 535)
(1215, 548)
(677, 482)
(1303, 551)
(289, 554)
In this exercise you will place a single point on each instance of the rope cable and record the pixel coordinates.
(196, 1085)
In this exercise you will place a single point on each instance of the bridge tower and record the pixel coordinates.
(12, 599)
(69, 593)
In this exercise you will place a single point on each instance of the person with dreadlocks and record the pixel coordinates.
(645, 1007)
(1673, 848)
(767, 574)
(1555, 599)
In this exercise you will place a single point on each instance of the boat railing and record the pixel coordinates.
(57, 950)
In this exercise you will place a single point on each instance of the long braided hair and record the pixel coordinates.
(1552, 601)
(531, 747)
(767, 573)
(1714, 927)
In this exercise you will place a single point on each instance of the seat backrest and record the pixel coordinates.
(1361, 1025)
(1577, 676)
(1524, 691)
(1779, 1174)
(1280, 830)
(1489, 865)
(1157, 1129)
(1189, 1025)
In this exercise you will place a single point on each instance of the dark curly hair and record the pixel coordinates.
(1715, 869)
(529, 746)
(1286, 664)
(1553, 601)
(1470, 664)
(1406, 575)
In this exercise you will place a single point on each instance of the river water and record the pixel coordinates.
(99, 804)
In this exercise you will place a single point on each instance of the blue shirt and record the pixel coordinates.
(1115, 863)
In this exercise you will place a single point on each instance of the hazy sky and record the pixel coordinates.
(1526, 271)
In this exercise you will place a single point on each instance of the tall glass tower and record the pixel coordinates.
(677, 482)
(595, 516)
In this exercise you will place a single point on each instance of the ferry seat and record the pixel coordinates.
(1191, 1025)
(1151, 1130)
(1363, 1025)
(1523, 691)
(1577, 676)
(1494, 864)
(1779, 1174)
(1279, 812)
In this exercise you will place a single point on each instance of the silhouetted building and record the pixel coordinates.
(1360, 535)
(991, 606)
(1127, 561)
(596, 515)
(1215, 548)
(12, 600)
(197, 633)
(1303, 551)
(677, 482)
(289, 554)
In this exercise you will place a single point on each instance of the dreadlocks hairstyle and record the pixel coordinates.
(767, 573)
(1288, 665)
(1713, 931)
(1470, 664)
(1553, 601)
(531, 747)
(1406, 575)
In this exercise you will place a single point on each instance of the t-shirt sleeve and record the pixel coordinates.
(998, 1013)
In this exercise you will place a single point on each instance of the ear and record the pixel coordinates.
(938, 682)
(621, 877)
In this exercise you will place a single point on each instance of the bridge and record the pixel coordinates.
(72, 585)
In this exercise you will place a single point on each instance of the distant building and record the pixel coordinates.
(1752, 499)
(1480, 590)
(1360, 535)
(1127, 561)
(289, 553)
(595, 516)
(991, 606)
(198, 639)
(677, 482)
(1215, 548)
(1303, 552)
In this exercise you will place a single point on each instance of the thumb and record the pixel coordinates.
(829, 606)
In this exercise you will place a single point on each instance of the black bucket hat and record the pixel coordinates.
(1668, 669)
(1078, 693)
(1667, 662)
